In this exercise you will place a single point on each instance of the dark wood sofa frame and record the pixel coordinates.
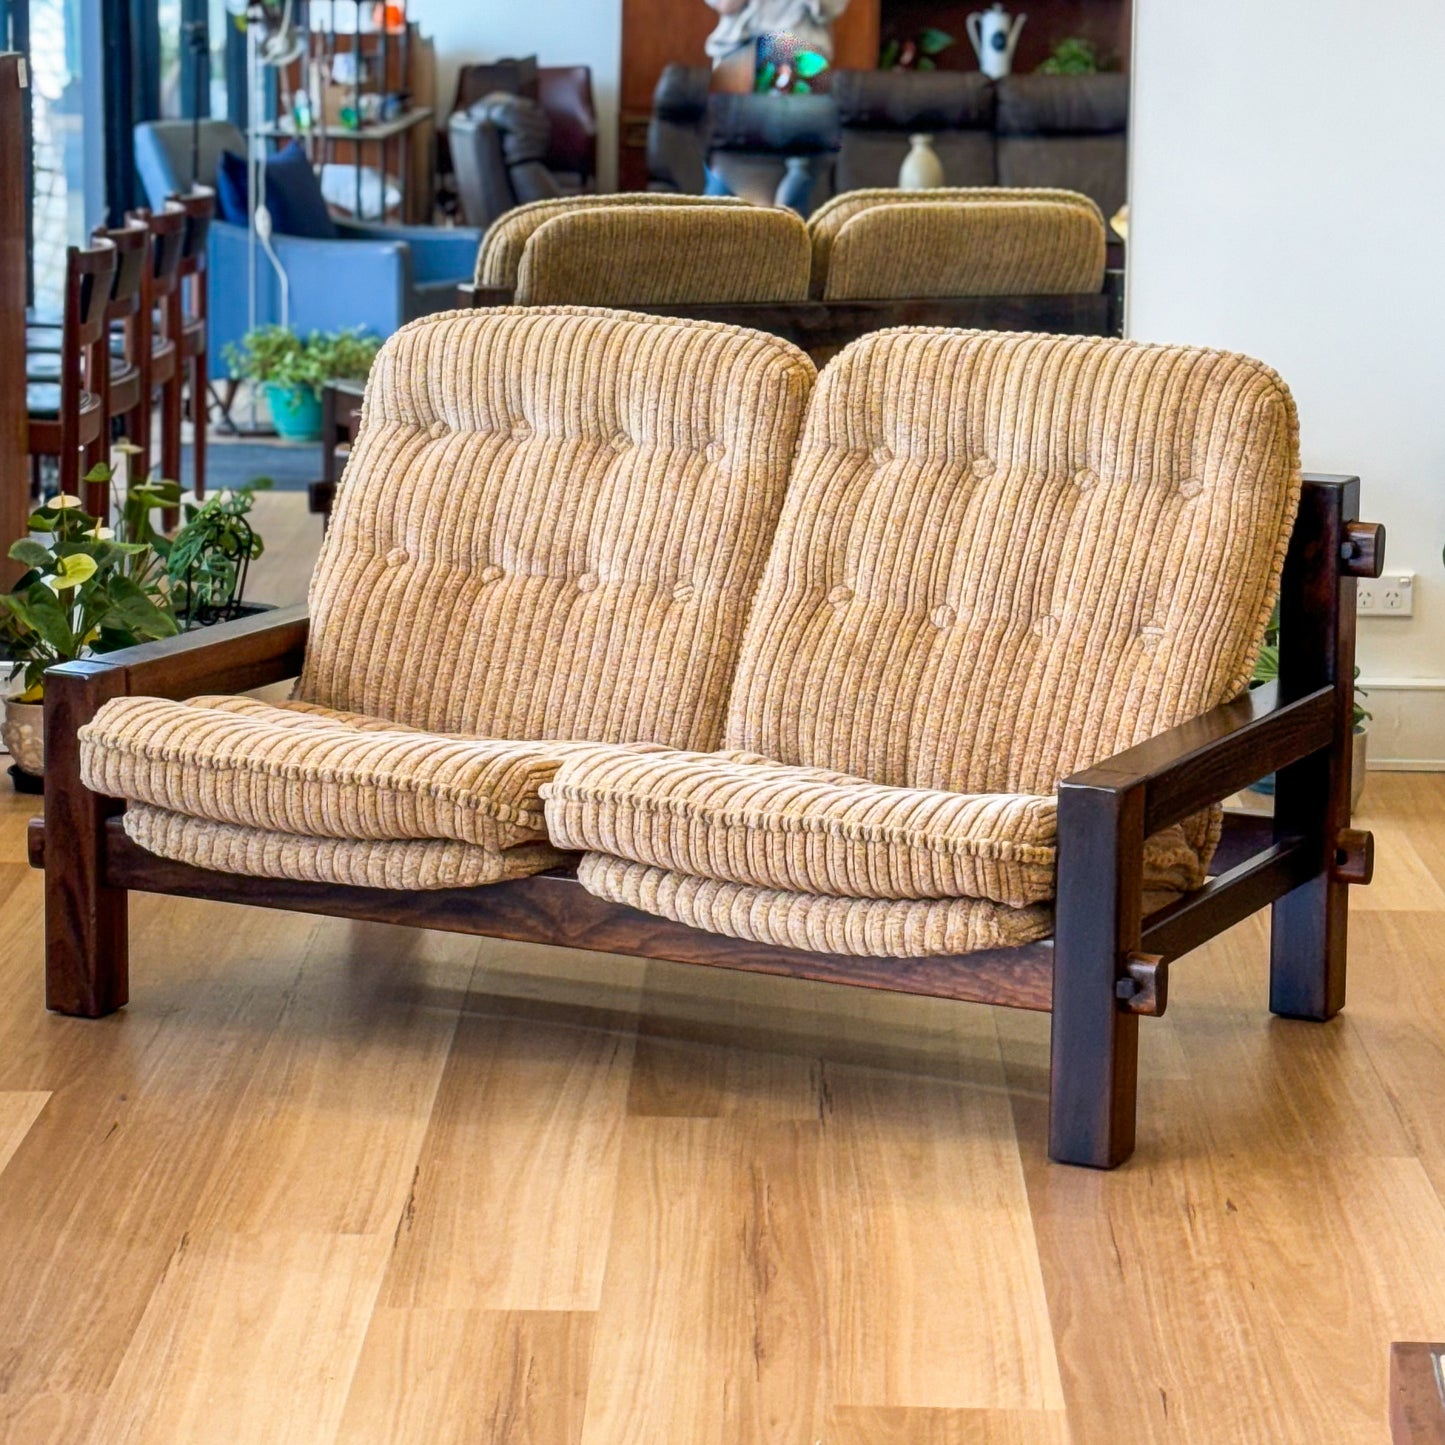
(823, 328)
(1105, 966)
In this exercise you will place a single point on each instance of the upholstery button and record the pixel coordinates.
(621, 442)
(943, 616)
(1190, 487)
(714, 452)
(840, 594)
(1085, 478)
(587, 582)
(520, 431)
(438, 429)
(982, 467)
(489, 574)
(1044, 626)
(1150, 636)
(684, 592)
(881, 456)
(397, 556)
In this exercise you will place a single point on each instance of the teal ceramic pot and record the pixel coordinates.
(295, 411)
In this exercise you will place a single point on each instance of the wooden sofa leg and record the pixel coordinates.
(1094, 1067)
(86, 926)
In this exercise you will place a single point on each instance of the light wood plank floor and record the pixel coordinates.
(325, 1181)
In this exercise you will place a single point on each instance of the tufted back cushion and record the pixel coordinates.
(1004, 557)
(552, 525)
(997, 248)
(826, 224)
(665, 255)
(500, 253)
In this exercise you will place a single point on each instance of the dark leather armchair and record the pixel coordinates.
(1065, 130)
(498, 146)
(565, 94)
(879, 109)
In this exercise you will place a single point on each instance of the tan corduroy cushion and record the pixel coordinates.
(743, 819)
(879, 928)
(240, 761)
(666, 255)
(553, 525)
(971, 248)
(501, 250)
(425, 863)
(1006, 557)
(825, 224)
(746, 820)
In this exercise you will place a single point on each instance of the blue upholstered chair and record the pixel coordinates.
(372, 275)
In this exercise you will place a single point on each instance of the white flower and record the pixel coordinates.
(63, 501)
(102, 534)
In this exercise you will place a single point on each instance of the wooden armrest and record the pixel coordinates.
(1209, 757)
(229, 657)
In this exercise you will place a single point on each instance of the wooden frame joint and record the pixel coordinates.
(1143, 988)
(1362, 553)
(1354, 856)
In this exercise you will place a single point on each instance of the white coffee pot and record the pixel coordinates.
(995, 34)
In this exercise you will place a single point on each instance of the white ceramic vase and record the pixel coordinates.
(921, 169)
(1359, 760)
(23, 732)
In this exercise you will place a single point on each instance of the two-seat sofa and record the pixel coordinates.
(805, 669)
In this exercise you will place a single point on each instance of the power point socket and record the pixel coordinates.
(1392, 595)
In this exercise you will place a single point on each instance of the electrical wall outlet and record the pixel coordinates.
(1392, 595)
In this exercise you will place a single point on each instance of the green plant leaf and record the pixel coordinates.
(132, 610)
(925, 63)
(809, 64)
(41, 612)
(30, 552)
(888, 56)
(933, 41)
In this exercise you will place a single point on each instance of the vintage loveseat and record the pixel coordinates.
(881, 678)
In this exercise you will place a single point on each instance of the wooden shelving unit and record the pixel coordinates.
(14, 473)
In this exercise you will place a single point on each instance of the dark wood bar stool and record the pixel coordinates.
(67, 417)
(189, 313)
(121, 387)
(152, 341)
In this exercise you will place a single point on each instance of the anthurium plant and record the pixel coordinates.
(85, 590)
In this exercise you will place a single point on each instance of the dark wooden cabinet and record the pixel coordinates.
(14, 474)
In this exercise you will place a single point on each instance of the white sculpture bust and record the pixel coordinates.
(741, 22)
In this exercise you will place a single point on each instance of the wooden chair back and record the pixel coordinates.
(84, 359)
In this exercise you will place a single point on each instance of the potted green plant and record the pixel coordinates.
(85, 590)
(1267, 670)
(207, 561)
(291, 371)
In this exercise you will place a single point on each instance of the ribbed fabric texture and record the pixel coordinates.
(356, 863)
(877, 928)
(1002, 558)
(665, 256)
(1002, 248)
(241, 761)
(500, 253)
(1005, 557)
(747, 820)
(825, 224)
(553, 525)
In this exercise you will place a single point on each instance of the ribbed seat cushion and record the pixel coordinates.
(871, 927)
(500, 253)
(553, 525)
(969, 248)
(744, 819)
(316, 773)
(423, 863)
(826, 224)
(666, 256)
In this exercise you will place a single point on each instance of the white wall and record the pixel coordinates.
(1287, 199)
(558, 32)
